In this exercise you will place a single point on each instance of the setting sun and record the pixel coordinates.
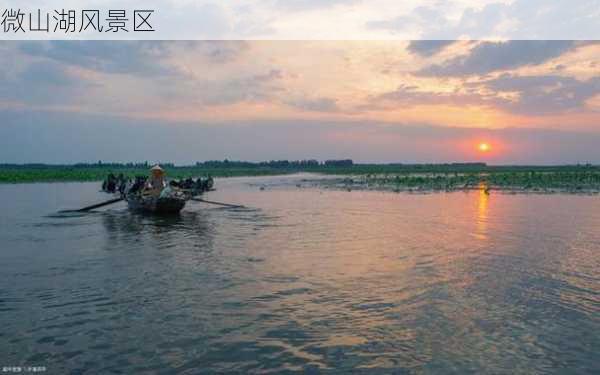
(484, 147)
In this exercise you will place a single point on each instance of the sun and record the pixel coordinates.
(484, 147)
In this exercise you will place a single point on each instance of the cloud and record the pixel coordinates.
(229, 81)
(134, 76)
(151, 67)
(543, 19)
(427, 48)
(421, 18)
(139, 58)
(254, 88)
(322, 104)
(518, 20)
(488, 57)
(42, 83)
(547, 94)
(124, 57)
(43, 73)
(531, 95)
(220, 52)
(304, 5)
(407, 95)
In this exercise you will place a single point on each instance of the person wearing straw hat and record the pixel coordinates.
(157, 179)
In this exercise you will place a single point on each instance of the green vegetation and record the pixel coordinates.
(19, 173)
(395, 177)
(71, 173)
(565, 180)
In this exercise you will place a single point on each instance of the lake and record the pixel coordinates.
(303, 280)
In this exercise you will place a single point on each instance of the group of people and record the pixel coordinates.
(113, 183)
(155, 183)
(198, 186)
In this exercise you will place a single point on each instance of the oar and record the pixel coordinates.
(97, 205)
(218, 203)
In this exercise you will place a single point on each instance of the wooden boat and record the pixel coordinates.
(164, 205)
(171, 199)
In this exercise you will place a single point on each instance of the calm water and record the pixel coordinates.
(304, 280)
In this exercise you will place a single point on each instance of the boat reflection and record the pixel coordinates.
(128, 229)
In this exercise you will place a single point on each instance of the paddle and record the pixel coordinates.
(218, 203)
(97, 205)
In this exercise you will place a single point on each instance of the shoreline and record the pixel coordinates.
(9, 179)
(354, 183)
(574, 180)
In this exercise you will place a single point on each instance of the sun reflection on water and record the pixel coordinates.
(482, 213)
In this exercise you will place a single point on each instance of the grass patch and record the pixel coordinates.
(380, 176)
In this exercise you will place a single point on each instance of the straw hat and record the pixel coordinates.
(157, 169)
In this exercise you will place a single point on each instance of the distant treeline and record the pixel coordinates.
(307, 164)
(227, 168)
(285, 164)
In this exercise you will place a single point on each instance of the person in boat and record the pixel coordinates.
(111, 183)
(157, 180)
(121, 183)
(138, 184)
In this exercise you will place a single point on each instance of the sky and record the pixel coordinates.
(534, 102)
(344, 19)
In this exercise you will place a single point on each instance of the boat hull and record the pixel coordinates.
(155, 205)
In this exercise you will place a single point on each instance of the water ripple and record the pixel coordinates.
(306, 281)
